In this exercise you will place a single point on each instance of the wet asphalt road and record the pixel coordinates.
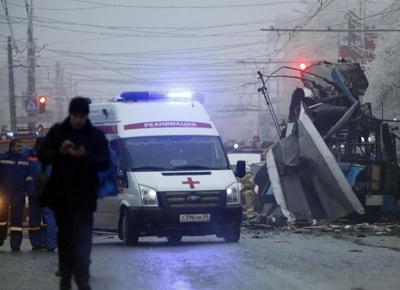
(280, 261)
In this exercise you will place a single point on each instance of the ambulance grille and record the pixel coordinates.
(194, 199)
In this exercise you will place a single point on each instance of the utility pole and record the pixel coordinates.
(31, 81)
(58, 79)
(11, 87)
(363, 15)
(31, 89)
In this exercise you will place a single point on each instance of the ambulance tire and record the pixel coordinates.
(232, 236)
(129, 234)
(174, 239)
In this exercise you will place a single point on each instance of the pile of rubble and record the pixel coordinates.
(359, 230)
(261, 223)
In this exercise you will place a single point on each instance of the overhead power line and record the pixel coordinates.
(63, 9)
(157, 34)
(187, 7)
(137, 28)
(330, 30)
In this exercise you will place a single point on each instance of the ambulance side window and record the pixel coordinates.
(116, 151)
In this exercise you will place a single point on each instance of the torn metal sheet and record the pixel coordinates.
(306, 179)
(339, 199)
(276, 186)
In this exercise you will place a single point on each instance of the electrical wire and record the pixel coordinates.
(63, 9)
(188, 7)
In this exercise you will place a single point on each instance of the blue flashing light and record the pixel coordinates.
(10, 134)
(154, 96)
(135, 96)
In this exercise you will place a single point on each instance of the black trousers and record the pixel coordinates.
(35, 220)
(74, 248)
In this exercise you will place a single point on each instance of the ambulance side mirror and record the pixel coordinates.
(122, 178)
(240, 168)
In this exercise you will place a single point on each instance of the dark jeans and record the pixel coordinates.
(35, 219)
(74, 247)
(49, 229)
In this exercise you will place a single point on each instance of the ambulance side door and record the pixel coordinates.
(107, 214)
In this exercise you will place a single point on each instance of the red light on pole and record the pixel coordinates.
(303, 66)
(42, 104)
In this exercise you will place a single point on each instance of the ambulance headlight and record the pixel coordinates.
(149, 196)
(233, 194)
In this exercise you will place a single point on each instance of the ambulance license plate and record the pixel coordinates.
(195, 218)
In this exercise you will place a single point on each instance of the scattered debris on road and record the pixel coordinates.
(261, 225)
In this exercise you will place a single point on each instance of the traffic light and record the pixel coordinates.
(302, 66)
(42, 104)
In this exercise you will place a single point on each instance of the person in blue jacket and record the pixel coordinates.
(14, 183)
(41, 237)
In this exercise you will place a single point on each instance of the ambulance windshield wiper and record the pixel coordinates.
(149, 168)
(193, 167)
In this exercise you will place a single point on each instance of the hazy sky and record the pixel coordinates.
(214, 47)
(108, 46)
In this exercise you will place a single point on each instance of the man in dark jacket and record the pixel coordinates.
(77, 151)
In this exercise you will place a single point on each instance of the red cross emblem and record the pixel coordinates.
(190, 182)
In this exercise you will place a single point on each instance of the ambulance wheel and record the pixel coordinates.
(174, 239)
(233, 235)
(129, 234)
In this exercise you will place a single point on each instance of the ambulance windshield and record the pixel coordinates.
(173, 153)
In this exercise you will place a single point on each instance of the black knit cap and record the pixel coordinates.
(79, 105)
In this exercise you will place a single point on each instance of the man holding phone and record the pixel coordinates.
(77, 151)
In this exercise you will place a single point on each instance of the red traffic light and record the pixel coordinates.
(42, 104)
(302, 66)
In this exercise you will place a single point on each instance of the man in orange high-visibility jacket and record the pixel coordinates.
(14, 183)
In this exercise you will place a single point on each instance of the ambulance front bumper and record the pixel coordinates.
(164, 222)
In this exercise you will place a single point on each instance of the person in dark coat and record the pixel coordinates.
(77, 151)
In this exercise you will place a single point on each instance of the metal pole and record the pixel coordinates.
(31, 89)
(11, 86)
(31, 51)
(264, 91)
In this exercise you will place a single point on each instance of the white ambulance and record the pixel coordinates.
(174, 174)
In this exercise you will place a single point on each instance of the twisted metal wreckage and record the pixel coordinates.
(335, 158)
